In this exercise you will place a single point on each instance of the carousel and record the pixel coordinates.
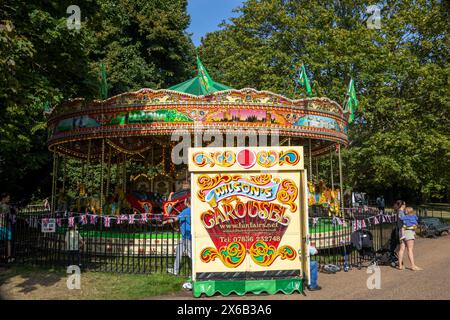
(123, 147)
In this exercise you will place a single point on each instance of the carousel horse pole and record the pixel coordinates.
(341, 183)
(310, 160)
(102, 161)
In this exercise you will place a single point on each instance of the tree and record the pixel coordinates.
(399, 143)
(143, 43)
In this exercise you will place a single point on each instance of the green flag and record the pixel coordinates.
(205, 79)
(302, 79)
(352, 102)
(46, 106)
(103, 84)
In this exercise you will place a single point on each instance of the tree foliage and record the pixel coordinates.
(400, 143)
(142, 43)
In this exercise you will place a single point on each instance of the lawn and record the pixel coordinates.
(20, 282)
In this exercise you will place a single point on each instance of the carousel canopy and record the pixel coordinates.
(135, 123)
(201, 84)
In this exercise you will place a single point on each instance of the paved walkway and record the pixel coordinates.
(432, 283)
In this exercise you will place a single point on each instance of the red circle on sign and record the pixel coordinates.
(246, 158)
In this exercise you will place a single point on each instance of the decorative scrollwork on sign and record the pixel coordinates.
(261, 179)
(207, 182)
(220, 158)
(225, 158)
(202, 159)
(287, 194)
(267, 159)
(289, 157)
(231, 255)
(264, 254)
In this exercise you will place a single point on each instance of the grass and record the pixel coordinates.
(23, 282)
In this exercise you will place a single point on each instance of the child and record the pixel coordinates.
(73, 242)
(410, 223)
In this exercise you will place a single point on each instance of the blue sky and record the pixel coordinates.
(206, 15)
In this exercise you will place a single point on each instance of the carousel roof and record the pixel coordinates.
(201, 84)
(133, 122)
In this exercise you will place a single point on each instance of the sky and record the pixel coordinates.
(206, 15)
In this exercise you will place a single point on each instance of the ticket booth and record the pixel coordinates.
(249, 220)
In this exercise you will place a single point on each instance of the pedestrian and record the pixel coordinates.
(314, 268)
(381, 203)
(5, 224)
(185, 244)
(399, 210)
(74, 242)
(410, 223)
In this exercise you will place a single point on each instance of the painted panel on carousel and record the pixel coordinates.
(162, 115)
(76, 123)
(248, 159)
(318, 122)
(246, 116)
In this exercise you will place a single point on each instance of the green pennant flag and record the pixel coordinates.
(46, 105)
(205, 80)
(302, 79)
(103, 83)
(352, 102)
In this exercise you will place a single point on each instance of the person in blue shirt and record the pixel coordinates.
(185, 244)
(314, 268)
(410, 222)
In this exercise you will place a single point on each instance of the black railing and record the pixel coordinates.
(139, 247)
(333, 237)
(151, 247)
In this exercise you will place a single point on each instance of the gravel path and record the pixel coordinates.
(433, 283)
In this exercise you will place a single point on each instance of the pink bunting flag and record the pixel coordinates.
(375, 220)
(107, 221)
(144, 218)
(315, 220)
(122, 218)
(71, 221)
(93, 217)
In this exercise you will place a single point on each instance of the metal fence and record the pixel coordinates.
(334, 240)
(136, 247)
(151, 247)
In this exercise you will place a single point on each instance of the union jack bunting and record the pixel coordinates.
(314, 222)
(71, 221)
(93, 218)
(363, 223)
(375, 220)
(83, 219)
(122, 218)
(144, 218)
(107, 221)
